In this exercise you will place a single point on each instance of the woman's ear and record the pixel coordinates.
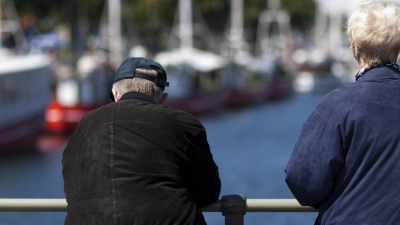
(397, 56)
(354, 50)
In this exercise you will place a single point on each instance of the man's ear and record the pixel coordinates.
(163, 98)
(116, 95)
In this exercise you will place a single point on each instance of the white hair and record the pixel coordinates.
(374, 33)
(140, 85)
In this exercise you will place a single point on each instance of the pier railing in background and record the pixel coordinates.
(232, 207)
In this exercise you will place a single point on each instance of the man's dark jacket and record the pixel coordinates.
(137, 162)
(347, 159)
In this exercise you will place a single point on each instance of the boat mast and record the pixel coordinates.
(1, 18)
(329, 27)
(321, 21)
(185, 24)
(114, 32)
(265, 34)
(9, 23)
(236, 28)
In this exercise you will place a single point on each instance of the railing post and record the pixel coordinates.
(233, 207)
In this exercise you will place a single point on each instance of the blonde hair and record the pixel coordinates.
(374, 33)
(140, 85)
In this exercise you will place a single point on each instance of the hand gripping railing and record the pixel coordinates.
(233, 207)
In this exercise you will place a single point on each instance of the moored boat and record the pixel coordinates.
(25, 81)
(244, 84)
(199, 105)
(84, 85)
(320, 74)
(24, 93)
(195, 80)
(194, 74)
(77, 92)
(280, 88)
(273, 49)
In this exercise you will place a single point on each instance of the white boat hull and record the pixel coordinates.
(25, 91)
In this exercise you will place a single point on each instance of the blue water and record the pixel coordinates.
(251, 146)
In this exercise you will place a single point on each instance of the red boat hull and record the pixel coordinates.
(64, 119)
(279, 89)
(246, 96)
(199, 105)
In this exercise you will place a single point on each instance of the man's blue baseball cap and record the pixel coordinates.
(127, 71)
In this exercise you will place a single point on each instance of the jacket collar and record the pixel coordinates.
(137, 95)
(383, 72)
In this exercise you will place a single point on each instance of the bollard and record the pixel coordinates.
(233, 208)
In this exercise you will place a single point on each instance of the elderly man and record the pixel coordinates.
(137, 161)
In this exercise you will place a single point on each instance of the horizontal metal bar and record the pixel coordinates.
(276, 205)
(60, 205)
(37, 205)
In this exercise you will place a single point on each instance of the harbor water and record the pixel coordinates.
(250, 145)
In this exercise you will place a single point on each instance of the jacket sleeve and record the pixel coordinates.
(315, 161)
(203, 178)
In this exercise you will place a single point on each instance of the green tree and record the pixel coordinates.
(153, 18)
(301, 12)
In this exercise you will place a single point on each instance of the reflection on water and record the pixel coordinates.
(251, 147)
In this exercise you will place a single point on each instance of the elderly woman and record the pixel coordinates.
(346, 162)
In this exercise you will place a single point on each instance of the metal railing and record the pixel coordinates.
(232, 207)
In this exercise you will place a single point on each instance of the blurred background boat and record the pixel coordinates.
(244, 84)
(194, 74)
(83, 78)
(324, 59)
(273, 49)
(78, 90)
(251, 54)
(318, 71)
(25, 82)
